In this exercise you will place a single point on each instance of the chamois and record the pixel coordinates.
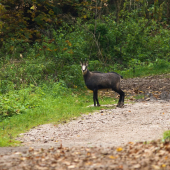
(97, 80)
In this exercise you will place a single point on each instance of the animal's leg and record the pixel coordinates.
(121, 98)
(95, 98)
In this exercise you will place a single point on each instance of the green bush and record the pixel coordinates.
(16, 102)
(139, 39)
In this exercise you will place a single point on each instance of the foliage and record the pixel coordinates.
(119, 43)
(27, 21)
(32, 66)
(166, 136)
(17, 102)
(139, 69)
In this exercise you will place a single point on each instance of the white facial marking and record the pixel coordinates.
(83, 67)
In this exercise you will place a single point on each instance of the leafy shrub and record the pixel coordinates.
(131, 38)
(17, 102)
(20, 101)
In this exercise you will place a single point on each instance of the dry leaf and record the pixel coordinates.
(71, 166)
(136, 166)
(163, 165)
(112, 157)
(155, 167)
(131, 143)
(88, 154)
(119, 149)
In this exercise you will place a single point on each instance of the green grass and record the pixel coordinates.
(166, 136)
(162, 67)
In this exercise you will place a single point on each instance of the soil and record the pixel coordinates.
(108, 139)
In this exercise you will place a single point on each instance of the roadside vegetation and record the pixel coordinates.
(40, 76)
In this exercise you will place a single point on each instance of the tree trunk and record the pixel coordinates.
(168, 11)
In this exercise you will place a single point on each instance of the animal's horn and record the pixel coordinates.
(81, 61)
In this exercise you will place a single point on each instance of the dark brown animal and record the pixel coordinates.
(97, 80)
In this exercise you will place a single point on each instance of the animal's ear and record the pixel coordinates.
(81, 63)
(87, 63)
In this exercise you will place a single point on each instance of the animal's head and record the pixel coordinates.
(84, 67)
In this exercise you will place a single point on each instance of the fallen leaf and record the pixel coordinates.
(119, 149)
(89, 163)
(23, 158)
(71, 166)
(136, 166)
(131, 143)
(155, 167)
(112, 157)
(163, 165)
(88, 154)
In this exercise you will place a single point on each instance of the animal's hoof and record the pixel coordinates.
(121, 105)
(98, 105)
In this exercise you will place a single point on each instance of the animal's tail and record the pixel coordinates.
(117, 74)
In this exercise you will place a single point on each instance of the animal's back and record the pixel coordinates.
(101, 80)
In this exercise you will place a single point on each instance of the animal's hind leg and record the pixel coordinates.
(121, 98)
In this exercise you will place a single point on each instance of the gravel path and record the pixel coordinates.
(142, 121)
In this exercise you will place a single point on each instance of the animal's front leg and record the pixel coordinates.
(95, 98)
